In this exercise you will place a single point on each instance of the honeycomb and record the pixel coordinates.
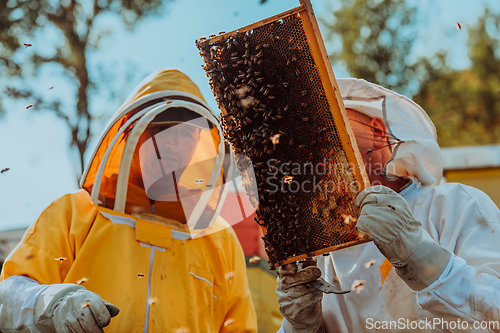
(275, 112)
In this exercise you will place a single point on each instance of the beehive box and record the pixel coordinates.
(281, 108)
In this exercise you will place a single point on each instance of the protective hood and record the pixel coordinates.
(415, 152)
(162, 156)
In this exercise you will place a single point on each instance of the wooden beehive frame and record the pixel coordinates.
(332, 93)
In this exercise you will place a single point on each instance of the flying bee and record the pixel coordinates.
(80, 282)
(254, 260)
(228, 322)
(358, 285)
(26, 45)
(370, 263)
(29, 106)
(4, 170)
(85, 304)
(140, 276)
(61, 259)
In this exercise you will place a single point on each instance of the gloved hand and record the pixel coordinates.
(300, 302)
(387, 220)
(70, 308)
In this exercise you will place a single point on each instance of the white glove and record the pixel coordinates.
(387, 220)
(68, 308)
(300, 302)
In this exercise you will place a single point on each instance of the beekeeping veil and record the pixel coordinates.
(411, 133)
(162, 156)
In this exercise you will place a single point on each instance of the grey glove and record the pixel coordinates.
(387, 220)
(70, 308)
(300, 302)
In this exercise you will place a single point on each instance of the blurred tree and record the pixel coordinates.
(465, 105)
(376, 39)
(76, 23)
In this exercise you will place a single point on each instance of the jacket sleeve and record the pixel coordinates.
(469, 288)
(18, 296)
(240, 316)
(42, 258)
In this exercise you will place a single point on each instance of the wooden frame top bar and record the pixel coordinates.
(254, 25)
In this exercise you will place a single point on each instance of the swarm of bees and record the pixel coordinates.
(275, 112)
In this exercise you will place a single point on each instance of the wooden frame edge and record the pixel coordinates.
(332, 93)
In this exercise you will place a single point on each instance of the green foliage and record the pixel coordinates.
(376, 38)
(465, 105)
(74, 20)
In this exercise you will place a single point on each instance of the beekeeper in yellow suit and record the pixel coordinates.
(141, 248)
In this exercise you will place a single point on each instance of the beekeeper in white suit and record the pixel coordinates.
(442, 241)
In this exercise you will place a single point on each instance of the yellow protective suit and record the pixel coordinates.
(160, 278)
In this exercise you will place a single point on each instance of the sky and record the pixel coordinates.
(34, 146)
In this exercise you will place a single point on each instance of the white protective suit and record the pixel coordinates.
(462, 219)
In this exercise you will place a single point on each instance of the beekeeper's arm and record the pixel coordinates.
(300, 302)
(464, 286)
(32, 295)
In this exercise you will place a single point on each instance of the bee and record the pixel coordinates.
(199, 181)
(4, 170)
(221, 32)
(228, 322)
(140, 276)
(370, 263)
(61, 259)
(254, 260)
(288, 179)
(26, 45)
(348, 219)
(275, 139)
(29, 106)
(80, 282)
(85, 304)
(358, 285)
(458, 27)
(51, 88)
